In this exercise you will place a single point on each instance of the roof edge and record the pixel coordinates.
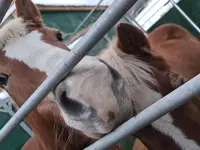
(68, 8)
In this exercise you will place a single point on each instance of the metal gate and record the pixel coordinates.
(106, 21)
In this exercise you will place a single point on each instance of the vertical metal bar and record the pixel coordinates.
(106, 21)
(148, 10)
(107, 38)
(23, 125)
(185, 16)
(178, 97)
(137, 24)
(154, 14)
(4, 5)
(86, 18)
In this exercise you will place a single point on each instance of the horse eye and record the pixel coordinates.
(59, 37)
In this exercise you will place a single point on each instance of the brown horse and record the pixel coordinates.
(23, 42)
(180, 49)
(138, 145)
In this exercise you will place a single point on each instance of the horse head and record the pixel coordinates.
(32, 19)
(102, 92)
(25, 43)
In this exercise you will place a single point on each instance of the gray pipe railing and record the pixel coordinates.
(175, 99)
(4, 6)
(106, 21)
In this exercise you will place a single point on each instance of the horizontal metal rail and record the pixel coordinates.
(185, 16)
(106, 21)
(178, 97)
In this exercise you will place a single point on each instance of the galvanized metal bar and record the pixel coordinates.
(88, 16)
(136, 24)
(22, 124)
(154, 13)
(106, 21)
(148, 10)
(4, 5)
(185, 16)
(178, 97)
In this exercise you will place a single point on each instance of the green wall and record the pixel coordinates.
(191, 8)
(16, 139)
(69, 21)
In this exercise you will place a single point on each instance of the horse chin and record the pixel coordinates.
(94, 135)
(90, 129)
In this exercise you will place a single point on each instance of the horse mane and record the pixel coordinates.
(134, 71)
(11, 30)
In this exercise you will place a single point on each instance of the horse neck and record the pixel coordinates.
(178, 130)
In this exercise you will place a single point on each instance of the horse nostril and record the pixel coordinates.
(71, 106)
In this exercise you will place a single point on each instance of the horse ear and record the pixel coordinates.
(29, 12)
(131, 40)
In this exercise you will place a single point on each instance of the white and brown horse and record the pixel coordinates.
(29, 52)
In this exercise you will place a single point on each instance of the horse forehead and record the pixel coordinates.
(89, 65)
(93, 86)
(89, 73)
(27, 44)
(34, 52)
(88, 76)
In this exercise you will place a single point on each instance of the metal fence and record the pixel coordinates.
(4, 5)
(107, 20)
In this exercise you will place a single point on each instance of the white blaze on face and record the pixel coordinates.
(91, 80)
(90, 84)
(34, 52)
